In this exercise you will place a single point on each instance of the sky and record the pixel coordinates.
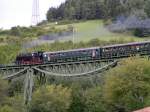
(19, 12)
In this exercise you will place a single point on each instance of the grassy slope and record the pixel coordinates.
(85, 31)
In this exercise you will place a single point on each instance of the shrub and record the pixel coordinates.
(94, 101)
(51, 99)
(127, 87)
(7, 109)
(3, 91)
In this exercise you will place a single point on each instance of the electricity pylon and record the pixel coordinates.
(35, 13)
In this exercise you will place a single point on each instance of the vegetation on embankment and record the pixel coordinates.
(125, 88)
(8, 53)
(80, 31)
(30, 32)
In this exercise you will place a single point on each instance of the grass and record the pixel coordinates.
(87, 30)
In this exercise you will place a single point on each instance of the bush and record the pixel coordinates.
(94, 101)
(7, 109)
(13, 104)
(51, 99)
(8, 53)
(3, 91)
(77, 104)
(138, 32)
(16, 87)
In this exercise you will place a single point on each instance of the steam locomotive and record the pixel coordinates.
(85, 54)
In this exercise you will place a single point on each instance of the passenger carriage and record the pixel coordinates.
(72, 55)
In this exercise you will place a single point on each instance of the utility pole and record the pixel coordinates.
(73, 35)
(35, 13)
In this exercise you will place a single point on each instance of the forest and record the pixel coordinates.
(99, 9)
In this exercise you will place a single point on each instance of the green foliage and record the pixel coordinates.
(77, 104)
(96, 9)
(94, 101)
(7, 104)
(16, 87)
(7, 109)
(14, 104)
(83, 31)
(51, 99)
(142, 32)
(8, 53)
(124, 7)
(15, 31)
(30, 32)
(3, 91)
(147, 8)
(94, 42)
(127, 86)
(78, 9)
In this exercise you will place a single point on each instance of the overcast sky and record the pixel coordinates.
(19, 12)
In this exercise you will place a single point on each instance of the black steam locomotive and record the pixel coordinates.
(29, 58)
(85, 54)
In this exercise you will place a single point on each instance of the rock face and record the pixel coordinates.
(147, 109)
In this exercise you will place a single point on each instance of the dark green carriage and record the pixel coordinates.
(72, 55)
(126, 50)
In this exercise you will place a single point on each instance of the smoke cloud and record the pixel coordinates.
(132, 22)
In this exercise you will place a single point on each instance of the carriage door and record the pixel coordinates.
(93, 53)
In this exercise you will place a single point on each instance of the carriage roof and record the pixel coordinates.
(108, 46)
(128, 44)
(73, 50)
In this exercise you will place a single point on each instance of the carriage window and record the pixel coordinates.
(137, 47)
(45, 55)
(146, 45)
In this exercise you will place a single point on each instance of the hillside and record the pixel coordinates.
(80, 31)
(91, 29)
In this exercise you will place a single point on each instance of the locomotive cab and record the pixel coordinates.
(29, 58)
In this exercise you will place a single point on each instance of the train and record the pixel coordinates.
(85, 54)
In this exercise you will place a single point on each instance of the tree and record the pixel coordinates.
(51, 99)
(13, 104)
(7, 109)
(127, 87)
(98, 9)
(15, 31)
(77, 104)
(52, 14)
(147, 8)
(94, 101)
(78, 9)
(8, 53)
(94, 42)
